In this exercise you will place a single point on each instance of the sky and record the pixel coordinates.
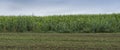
(58, 7)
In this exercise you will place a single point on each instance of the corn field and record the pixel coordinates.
(61, 24)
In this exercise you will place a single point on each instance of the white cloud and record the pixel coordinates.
(56, 7)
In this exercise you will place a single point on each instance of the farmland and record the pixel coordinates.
(100, 23)
(59, 41)
(60, 32)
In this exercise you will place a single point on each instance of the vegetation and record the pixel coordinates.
(61, 24)
(56, 41)
(60, 32)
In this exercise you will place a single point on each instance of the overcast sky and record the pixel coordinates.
(57, 7)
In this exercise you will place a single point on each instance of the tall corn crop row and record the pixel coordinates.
(61, 24)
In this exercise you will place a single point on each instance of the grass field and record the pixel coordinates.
(59, 41)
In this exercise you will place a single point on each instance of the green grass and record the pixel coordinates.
(59, 41)
(100, 23)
